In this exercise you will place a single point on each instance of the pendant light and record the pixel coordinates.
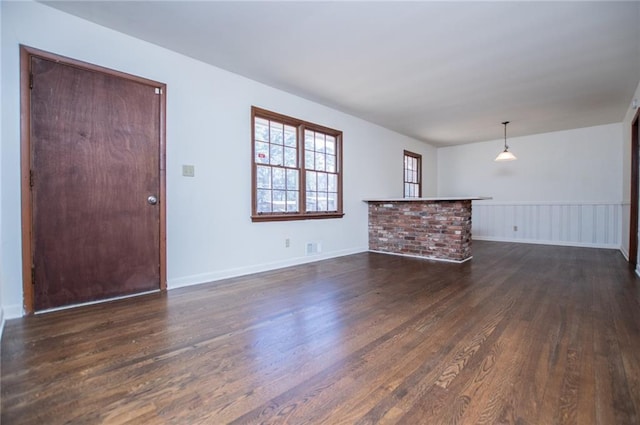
(505, 155)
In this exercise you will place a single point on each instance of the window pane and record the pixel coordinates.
(311, 201)
(322, 201)
(264, 201)
(309, 160)
(319, 142)
(263, 177)
(322, 182)
(279, 178)
(276, 155)
(311, 180)
(290, 157)
(332, 201)
(262, 153)
(277, 131)
(290, 138)
(319, 162)
(330, 145)
(292, 179)
(292, 201)
(308, 140)
(331, 163)
(406, 190)
(332, 183)
(261, 131)
(279, 200)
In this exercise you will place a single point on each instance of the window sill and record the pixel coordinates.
(291, 217)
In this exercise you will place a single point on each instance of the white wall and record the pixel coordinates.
(564, 188)
(566, 166)
(626, 172)
(210, 234)
(2, 279)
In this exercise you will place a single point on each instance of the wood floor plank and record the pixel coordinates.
(521, 334)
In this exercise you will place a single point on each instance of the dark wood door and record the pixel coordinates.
(95, 160)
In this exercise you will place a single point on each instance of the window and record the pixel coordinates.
(412, 175)
(296, 168)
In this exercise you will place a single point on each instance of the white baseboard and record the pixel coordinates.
(242, 271)
(545, 242)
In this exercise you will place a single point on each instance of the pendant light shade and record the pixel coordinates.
(505, 155)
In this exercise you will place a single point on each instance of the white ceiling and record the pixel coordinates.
(443, 72)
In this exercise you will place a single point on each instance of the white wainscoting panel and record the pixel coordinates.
(593, 224)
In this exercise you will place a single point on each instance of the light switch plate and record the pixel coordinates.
(188, 170)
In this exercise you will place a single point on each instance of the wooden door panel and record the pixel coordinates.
(95, 160)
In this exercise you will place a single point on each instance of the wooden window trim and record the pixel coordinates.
(301, 126)
(404, 170)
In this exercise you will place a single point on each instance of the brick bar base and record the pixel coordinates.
(431, 229)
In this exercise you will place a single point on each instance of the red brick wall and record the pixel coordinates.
(437, 229)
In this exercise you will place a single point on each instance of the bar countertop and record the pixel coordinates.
(431, 199)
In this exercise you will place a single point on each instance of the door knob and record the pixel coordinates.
(152, 200)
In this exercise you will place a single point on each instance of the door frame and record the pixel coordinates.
(635, 190)
(26, 53)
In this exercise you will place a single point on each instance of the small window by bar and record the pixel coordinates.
(412, 175)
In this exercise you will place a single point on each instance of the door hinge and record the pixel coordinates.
(30, 178)
(31, 80)
(158, 90)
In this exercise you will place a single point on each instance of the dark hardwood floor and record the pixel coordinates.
(522, 334)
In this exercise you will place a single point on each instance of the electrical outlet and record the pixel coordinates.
(287, 243)
(313, 247)
(515, 228)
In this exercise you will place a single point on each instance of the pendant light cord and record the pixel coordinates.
(505, 134)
